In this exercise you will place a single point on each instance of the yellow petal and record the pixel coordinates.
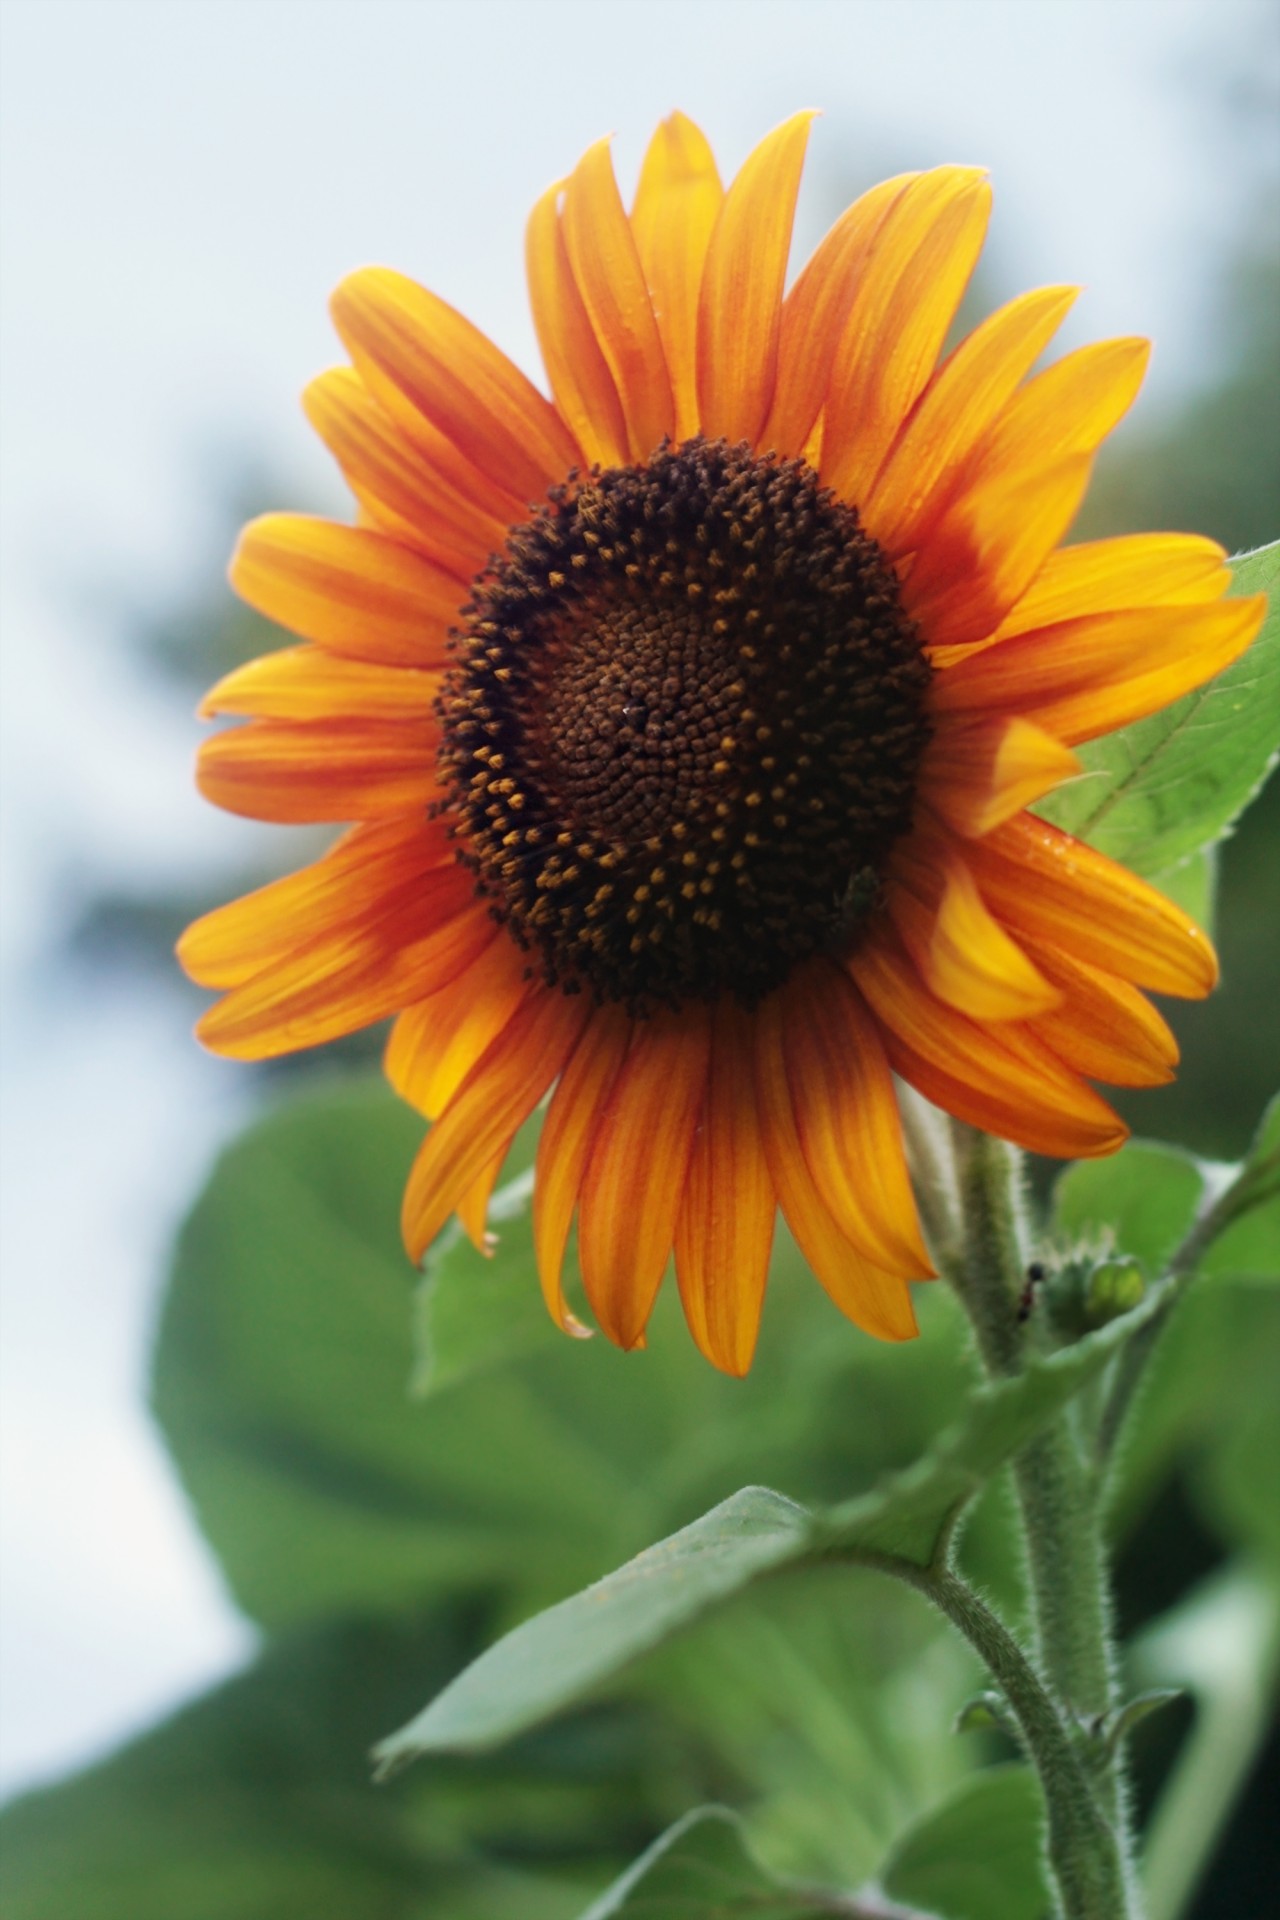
(493, 1102)
(1065, 894)
(635, 1176)
(348, 589)
(977, 773)
(456, 379)
(310, 683)
(564, 1147)
(394, 481)
(918, 270)
(606, 266)
(814, 315)
(677, 203)
(953, 412)
(964, 954)
(1107, 576)
(740, 312)
(579, 375)
(724, 1230)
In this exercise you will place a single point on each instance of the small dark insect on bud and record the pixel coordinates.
(1027, 1298)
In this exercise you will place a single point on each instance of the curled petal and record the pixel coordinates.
(977, 773)
(436, 1041)
(564, 1147)
(488, 1109)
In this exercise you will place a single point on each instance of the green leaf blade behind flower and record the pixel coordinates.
(978, 1855)
(704, 1866)
(1158, 791)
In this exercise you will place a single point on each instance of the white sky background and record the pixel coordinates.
(183, 182)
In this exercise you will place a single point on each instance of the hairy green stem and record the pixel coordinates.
(1086, 1852)
(1057, 1497)
(1064, 1549)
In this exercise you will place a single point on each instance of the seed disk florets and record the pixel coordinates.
(684, 726)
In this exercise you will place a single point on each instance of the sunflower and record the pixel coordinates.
(685, 726)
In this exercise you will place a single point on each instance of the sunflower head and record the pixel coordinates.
(684, 726)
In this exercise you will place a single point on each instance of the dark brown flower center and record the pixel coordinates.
(684, 727)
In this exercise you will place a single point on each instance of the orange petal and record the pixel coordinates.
(564, 1147)
(489, 1108)
(814, 315)
(988, 546)
(635, 1176)
(580, 378)
(473, 1208)
(369, 866)
(320, 770)
(310, 683)
(1061, 892)
(1108, 576)
(874, 1300)
(1070, 408)
(953, 412)
(611, 280)
(847, 1118)
(1008, 1083)
(348, 589)
(1086, 677)
(977, 773)
(918, 270)
(963, 953)
(724, 1231)
(676, 205)
(1105, 1029)
(435, 1043)
(740, 311)
(454, 378)
(359, 975)
(394, 482)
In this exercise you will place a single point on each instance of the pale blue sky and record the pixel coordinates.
(183, 181)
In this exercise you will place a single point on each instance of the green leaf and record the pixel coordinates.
(562, 1653)
(1147, 1195)
(977, 1856)
(703, 1866)
(1159, 790)
(553, 1658)
(282, 1380)
(254, 1803)
(1251, 1245)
